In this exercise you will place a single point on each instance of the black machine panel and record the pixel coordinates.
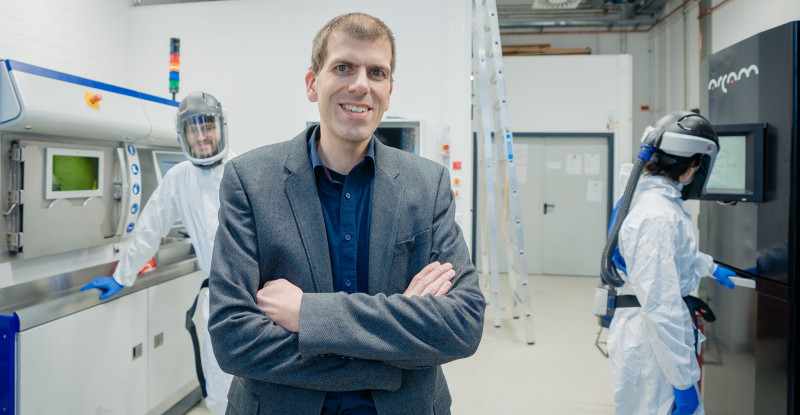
(752, 346)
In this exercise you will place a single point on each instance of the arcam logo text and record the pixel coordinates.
(728, 79)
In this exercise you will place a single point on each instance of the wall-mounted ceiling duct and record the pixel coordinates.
(159, 2)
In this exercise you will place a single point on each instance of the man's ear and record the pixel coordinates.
(311, 86)
(388, 99)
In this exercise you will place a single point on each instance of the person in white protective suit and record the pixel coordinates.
(189, 191)
(652, 341)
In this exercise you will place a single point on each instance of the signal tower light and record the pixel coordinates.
(174, 65)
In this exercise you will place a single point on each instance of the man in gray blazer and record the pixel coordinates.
(340, 282)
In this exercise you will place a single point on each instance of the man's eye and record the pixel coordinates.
(341, 68)
(377, 73)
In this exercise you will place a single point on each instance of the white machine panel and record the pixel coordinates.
(43, 101)
(59, 361)
(163, 131)
(171, 362)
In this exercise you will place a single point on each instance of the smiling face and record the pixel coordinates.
(352, 88)
(202, 138)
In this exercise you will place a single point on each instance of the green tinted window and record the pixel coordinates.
(75, 173)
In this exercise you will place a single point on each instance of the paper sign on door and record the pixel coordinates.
(574, 162)
(594, 191)
(591, 164)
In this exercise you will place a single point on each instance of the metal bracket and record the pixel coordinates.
(158, 340)
(116, 191)
(138, 350)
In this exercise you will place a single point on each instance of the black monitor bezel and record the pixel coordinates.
(754, 175)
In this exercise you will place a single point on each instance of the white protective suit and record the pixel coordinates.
(192, 194)
(651, 347)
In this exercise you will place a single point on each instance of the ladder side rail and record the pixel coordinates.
(479, 63)
(517, 263)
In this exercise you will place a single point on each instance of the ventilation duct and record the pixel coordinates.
(555, 4)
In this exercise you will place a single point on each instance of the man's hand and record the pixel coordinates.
(280, 301)
(433, 279)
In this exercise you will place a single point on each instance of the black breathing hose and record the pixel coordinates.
(608, 269)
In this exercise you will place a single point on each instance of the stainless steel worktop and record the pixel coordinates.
(46, 299)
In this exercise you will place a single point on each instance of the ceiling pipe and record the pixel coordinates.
(584, 32)
(711, 10)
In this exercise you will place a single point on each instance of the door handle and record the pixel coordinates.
(548, 206)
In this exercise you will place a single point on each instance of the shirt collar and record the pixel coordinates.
(317, 162)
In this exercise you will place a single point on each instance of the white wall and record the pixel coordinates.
(253, 55)
(737, 20)
(565, 94)
(86, 38)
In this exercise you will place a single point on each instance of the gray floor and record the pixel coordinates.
(562, 373)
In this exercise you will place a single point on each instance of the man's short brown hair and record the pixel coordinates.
(357, 25)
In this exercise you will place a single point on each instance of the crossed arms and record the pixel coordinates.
(280, 299)
(286, 333)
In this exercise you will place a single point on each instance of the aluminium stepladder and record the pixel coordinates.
(492, 119)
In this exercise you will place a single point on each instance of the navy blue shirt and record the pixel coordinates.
(346, 202)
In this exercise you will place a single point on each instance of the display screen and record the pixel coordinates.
(165, 160)
(730, 168)
(75, 173)
(738, 172)
(166, 165)
(403, 138)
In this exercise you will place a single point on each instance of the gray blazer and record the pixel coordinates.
(271, 226)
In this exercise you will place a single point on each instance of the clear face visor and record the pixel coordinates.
(202, 136)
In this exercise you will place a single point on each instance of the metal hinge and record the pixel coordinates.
(15, 196)
(14, 241)
(14, 200)
(16, 154)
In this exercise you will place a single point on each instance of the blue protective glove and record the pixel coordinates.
(107, 285)
(686, 401)
(723, 275)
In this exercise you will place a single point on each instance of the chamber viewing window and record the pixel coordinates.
(72, 173)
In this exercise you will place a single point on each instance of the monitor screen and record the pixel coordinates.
(738, 172)
(165, 160)
(403, 138)
(398, 133)
(730, 168)
(166, 165)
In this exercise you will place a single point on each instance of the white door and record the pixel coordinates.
(564, 198)
(575, 204)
